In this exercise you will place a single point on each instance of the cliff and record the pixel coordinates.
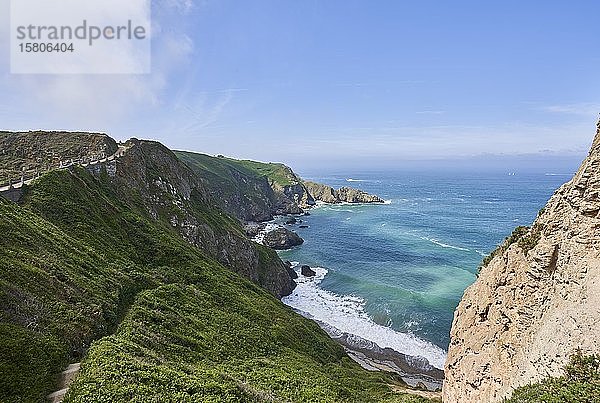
(175, 194)
(536, 301)
(251, 191)
(257, 191)
(130, 267)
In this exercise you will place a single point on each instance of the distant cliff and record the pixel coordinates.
(256, 191)
(536, 301)
(327, 194)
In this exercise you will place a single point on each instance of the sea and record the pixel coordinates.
(394, 273)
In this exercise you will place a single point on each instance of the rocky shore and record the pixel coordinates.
(298, 199)
(415, 371)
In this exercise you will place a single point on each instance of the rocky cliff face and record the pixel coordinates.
(237, 191)
(536, 301)
(175, 194)
(148, 175)
(327, 194)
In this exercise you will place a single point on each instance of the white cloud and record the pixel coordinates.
(93, 102)
(582, 108)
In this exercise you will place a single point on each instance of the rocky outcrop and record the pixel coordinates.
(290, 270)
(281, 238)
(307, 271)
(323, 193)
(536, 302)
(327, 194)
(351, 195)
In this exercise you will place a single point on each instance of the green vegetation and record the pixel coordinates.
(228, 180)
(276, 173)
(186, 343)
(38, 150)
(85, 273)
(527, 239)
(581, 383)
(222, 167)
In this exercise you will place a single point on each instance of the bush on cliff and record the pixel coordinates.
(581, 383)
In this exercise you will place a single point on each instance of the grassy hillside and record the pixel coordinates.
(279, 174)
(80, 267)
(248, 195)
(40, 150)
(222, 167)
(249, 190)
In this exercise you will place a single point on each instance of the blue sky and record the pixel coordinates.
(341, 83)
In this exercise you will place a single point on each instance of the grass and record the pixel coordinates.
(276, 173)
(527, 238)
(222, 167)
(240, 191)
(86, 274)
(581, 383)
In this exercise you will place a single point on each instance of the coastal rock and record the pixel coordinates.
(323, 193)
(291, 272)
(327, 194)
(253, 229)
(351, 195)
(536, 302)
(307, 271)
(291, 221)
(282, 238)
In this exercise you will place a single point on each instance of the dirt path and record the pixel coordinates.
(66, 378)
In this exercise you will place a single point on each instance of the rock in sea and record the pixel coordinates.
(282, 238)
(307, 271)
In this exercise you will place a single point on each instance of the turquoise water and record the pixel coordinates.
(394, 273)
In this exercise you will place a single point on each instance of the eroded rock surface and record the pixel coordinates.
(536, 301)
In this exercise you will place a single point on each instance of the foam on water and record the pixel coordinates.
(443, 245)
(261, 234)
(347, 314)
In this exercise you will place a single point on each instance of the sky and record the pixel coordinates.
(342, 83)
